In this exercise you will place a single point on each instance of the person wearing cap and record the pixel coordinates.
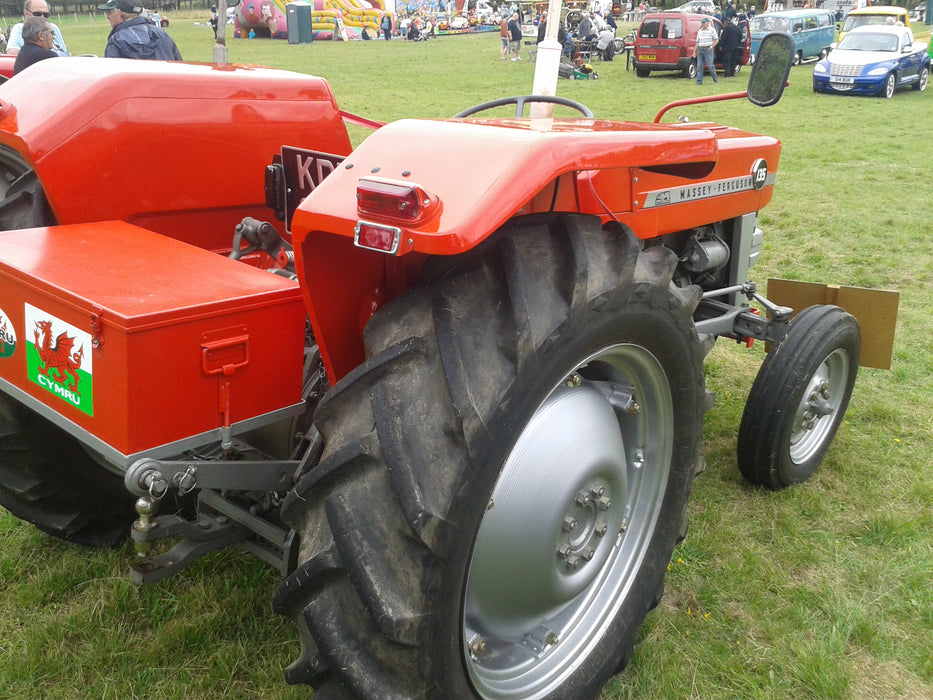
(703, 50)
(35, 8)
(37, 43)
(134, 35)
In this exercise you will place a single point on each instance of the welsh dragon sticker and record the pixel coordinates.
(7, 335)
(58, 358)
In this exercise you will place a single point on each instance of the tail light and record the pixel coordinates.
(400, 201)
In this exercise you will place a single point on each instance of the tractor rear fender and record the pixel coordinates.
(174, 147)
(469, 177)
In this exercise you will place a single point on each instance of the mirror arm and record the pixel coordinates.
(699, 100)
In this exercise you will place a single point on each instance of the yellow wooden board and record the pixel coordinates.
(874, 309)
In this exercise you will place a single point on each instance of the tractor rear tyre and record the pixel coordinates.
(799, 398)
(48, 479)
(22, 199)
(505, 477)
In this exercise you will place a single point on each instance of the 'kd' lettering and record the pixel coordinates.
(306, 177)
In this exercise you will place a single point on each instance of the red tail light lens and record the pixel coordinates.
(394, 200)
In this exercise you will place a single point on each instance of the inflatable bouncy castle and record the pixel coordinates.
(346, 18)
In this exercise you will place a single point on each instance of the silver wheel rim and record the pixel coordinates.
(822, 400)
(574, 510)
(889, 86)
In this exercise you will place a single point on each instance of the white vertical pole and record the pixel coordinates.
(546, 64)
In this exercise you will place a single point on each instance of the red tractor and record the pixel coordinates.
(461, 415)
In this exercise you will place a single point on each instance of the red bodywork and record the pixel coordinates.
(604, 168)
(173, 341)
(176, 148)
(6, 66)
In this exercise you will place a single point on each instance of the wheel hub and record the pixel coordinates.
(821, 401)
(568, 523)
(584, 527)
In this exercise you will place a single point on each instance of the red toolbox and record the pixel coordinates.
(137, 343)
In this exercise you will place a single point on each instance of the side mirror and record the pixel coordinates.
(772, 66)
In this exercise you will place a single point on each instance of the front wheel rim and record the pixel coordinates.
(573, 510)
(821, 404)
(889, 86)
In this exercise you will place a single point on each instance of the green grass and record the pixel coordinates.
(820, 591)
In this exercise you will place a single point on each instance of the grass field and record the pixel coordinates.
(822, 591)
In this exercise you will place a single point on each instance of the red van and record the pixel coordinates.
(665, 41)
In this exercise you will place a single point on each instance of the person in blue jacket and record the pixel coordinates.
(134, 35)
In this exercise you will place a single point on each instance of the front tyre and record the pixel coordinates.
(799, 398)
(504, 479)
(890, 85)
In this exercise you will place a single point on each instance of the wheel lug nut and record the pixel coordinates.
(604, 502)
(589, 554)
(569, 524)
(573, 562)
(478, 646)
(563, 551)
(583, 499)
(601, 530)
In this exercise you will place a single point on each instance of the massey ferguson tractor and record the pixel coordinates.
(461, 415)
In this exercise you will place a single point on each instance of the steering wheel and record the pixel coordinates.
(520, 100)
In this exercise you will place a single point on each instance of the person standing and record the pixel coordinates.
(515, 36)
(703, 51)
(35, 8)
(37, 43)
(134, 35)
(585, 29)
(386, 26)
(504, 37)
(729, 40)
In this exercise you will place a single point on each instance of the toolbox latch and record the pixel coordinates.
(226, 353)
(222, 353)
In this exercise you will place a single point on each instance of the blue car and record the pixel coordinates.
(874, 60)
(813, 31)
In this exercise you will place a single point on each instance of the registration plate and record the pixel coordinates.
(647, 57)
(842, 81)
(304, 171)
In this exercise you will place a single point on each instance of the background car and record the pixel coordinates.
(665, 41)
(882, 14)
(874, 60)
(813, 31)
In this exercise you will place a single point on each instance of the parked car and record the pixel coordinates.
(874, 60)
(704, 6)
(813, 31)
(879, 14)
(665, 41)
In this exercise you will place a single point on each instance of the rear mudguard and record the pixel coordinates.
(654, 178)
(176, 148)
